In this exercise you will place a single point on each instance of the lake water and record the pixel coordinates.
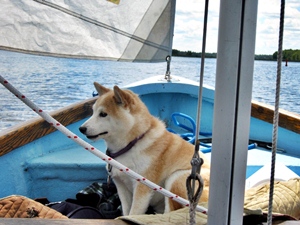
(55, 82)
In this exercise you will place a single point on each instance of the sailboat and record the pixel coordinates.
(37, 160)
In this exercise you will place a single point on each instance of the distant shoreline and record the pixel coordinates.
(290, 55)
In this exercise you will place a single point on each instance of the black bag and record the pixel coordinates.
(74, 211)
(97, 201)
(102, 196)
(97, 193)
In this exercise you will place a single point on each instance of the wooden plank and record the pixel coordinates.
(289, 223)
(31, 130)
(37, 221)
(287, 120)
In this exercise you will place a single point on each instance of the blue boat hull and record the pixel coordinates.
(55, 167)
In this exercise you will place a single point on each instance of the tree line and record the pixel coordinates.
(288, 54)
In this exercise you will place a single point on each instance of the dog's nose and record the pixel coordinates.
(82, 129)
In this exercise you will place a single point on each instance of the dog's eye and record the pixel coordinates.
(103, 114)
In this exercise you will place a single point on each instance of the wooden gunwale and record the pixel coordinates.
(287, 120)
(31, 130)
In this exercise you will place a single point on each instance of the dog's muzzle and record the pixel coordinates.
(84, 129)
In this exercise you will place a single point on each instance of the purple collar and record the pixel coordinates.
(125, 149)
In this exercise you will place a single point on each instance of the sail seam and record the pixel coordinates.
(100, 24)
(136, 30)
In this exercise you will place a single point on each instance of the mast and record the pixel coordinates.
(234, 75)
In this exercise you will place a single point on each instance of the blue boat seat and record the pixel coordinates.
(61, 174)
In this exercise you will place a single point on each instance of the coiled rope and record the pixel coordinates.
(276, 112)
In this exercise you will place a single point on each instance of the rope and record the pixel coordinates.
(94, 150)
(194, 198)
(196, 160)
(276, 113)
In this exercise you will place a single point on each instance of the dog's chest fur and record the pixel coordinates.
(134, 160)
(140, 163)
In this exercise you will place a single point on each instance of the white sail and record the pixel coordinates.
(131, 30)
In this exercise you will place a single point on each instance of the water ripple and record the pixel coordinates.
(55, 82)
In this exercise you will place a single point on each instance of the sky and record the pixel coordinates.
(189, 26)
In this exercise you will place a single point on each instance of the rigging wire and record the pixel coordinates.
(201, 71)
(196, 161)
(276, 113)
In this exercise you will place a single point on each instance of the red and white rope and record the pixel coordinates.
(94, 150)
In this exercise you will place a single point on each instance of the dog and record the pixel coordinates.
(124, 122)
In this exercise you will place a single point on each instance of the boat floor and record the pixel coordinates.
(36, 221)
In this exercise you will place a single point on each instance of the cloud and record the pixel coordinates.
(189, 26)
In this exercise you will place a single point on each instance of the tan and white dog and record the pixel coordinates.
(141, 142)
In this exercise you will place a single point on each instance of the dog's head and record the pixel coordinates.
(117, 114)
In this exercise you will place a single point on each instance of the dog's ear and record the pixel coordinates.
(120, 96)
(100, 89)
